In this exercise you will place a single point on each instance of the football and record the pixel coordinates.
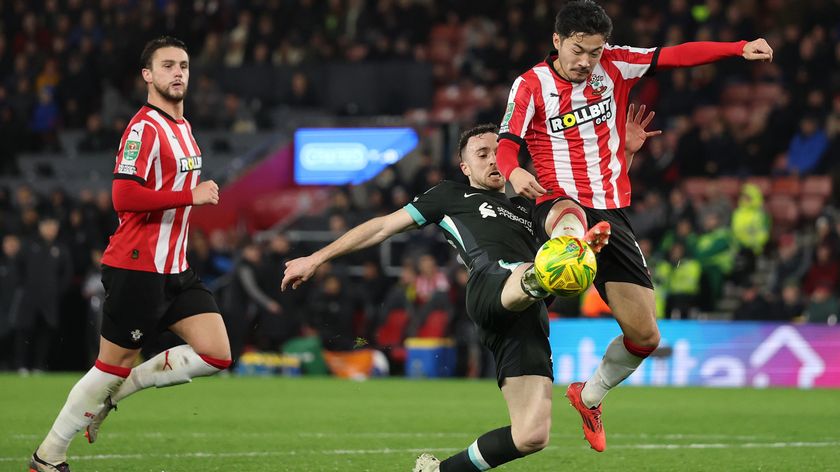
(565, 266)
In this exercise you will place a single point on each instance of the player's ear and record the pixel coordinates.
(147, 75)
(464, 168)
(555, 38)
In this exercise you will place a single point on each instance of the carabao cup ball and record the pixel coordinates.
(565, 266)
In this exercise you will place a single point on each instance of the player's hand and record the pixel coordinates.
(758, 50)
(635, 134)
(299, 271)
(206, 193)
(524, 183)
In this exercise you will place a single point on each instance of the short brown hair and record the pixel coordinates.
(157, 43)
(475, 131)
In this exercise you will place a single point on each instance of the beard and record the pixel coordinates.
(175, 97)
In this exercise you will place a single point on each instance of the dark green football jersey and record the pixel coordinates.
(478, 222)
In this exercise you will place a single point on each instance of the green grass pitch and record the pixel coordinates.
(285, 424)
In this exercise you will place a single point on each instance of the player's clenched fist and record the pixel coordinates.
(758, 50)
(206, 193)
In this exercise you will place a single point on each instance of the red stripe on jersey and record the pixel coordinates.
(538, 140)
(621, 96)
(577, 156)
(583, 144)
(155, 241)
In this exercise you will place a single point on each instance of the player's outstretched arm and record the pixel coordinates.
(705, 52)
(130, 195)
(635, 134)
(367, 234)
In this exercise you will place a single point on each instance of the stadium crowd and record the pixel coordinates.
(733, 205)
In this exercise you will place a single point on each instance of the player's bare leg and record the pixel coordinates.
(522, 288)
(86, 398)
(529, 403)
(634, 308)
(207, 352)
(567, 218)
(528, 398)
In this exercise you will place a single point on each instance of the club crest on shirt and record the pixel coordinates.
(596, 82)
(136, 335)
(187, 164)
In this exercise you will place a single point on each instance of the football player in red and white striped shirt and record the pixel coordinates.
(149, 285)
(568, 111)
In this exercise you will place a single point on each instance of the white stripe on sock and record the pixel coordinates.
(476, 457)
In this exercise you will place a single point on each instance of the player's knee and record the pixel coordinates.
(534, 439)
(649, 339)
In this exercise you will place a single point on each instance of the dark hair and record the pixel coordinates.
(157, 43)
(582, 16)
(475, 131)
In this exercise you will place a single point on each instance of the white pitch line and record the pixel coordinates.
(219, 455)
(247, 434)
(773, 445)
(350, 452)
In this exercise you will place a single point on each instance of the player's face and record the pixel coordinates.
(479, 162)
(170, 73)
(578, 55)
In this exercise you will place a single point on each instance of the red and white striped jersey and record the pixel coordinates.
(575, 132)
(160, 153)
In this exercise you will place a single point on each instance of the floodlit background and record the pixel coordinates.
(315, 116)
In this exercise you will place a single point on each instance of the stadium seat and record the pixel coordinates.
(729, 186)
(435, 326)
(392, 330)
(817, 185)
(695, 188)
(763, 183)
(390, 336)
(784, 211)
(788, 186)
(811, 206)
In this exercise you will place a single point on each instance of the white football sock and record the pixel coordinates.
(172, 367)
(571, 222)
(618, 363)
(85, 399)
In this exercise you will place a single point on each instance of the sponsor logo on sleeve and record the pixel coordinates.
(126, 169)
(132, 150)
(506, 120)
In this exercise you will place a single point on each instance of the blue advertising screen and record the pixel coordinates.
(337, 156)
(707, 353)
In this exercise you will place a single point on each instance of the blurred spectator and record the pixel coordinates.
(683, 233)
(46, 274)
(714, 251)
(368, 295)
(791, 264)
(10, 267)
(807, 147)
(96, 137)
(679, 278)
(751, 229)
(791, 306)
(258, 305)
(94, 293)
(824, 271)
(753, 307)
(823, 306)
(330, 313)
(301, 93)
